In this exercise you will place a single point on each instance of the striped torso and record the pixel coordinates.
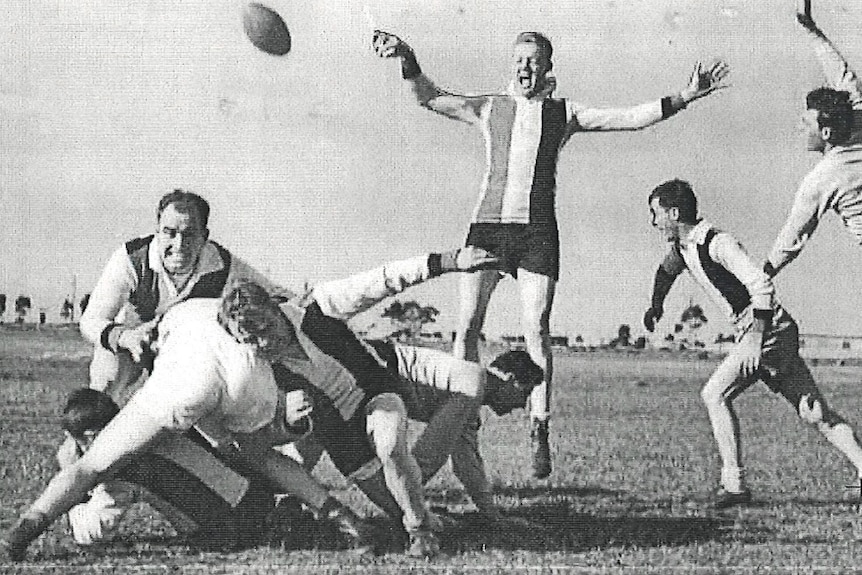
(717, 263)
(148, 297)
(523, 139)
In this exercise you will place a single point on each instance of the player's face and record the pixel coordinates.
(181, 238)
(809, 126)
(530, 66)
(664, 220)
(267, 330)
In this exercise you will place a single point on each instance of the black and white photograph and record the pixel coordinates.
(430, 286)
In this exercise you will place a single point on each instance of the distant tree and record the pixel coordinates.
(67, 309)
(579, 339)
(640, 342)
(409, 317)
(22, 306)
(2, 306)
(43, 316)
(624, 337)
(85, 301)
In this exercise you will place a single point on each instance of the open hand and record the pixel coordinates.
(705, 80)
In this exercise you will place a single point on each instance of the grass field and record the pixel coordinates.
(634, 461)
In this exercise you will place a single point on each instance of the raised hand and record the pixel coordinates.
(705, 80)
(388, 45)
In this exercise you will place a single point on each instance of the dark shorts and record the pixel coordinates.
(533, 247)
(225, 525)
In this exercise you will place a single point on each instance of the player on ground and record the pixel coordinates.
(183, 499)
(833, 126)
(767, 345)
(143, 278)
(525, 128)
(203, 377)
(438, 389)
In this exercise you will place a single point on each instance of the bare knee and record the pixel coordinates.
(814, 411)
(387, 425)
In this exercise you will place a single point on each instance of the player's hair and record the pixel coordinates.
(87, 410)
(834, 111)
(184, 201)
(539, 40)
(519, 363)
(677, 194)
(245, 302)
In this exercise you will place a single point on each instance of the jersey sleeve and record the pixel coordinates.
(728, 252)
(345, 298)
(110, 294)
(810, 204)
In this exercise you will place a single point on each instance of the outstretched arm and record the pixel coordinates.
(665, 276)
(345, 298)
(704, 80)
(808, 207)
(839, 75)
(464, 108)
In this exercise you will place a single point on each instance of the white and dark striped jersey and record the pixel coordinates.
(523, 138)
(723, 269)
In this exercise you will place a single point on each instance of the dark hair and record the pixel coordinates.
(677, 194)
(519, 363)
(538, 39)
(834, 111)
(184, 201)
(87, 410)
(244, 301)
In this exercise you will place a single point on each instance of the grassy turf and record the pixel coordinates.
(634, 460)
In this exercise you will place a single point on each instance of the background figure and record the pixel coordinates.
(525, 128)
(832, 125)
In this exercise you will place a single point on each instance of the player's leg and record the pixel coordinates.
(718, 394)
(797, 385)
(386, 425)
(430, 374)
(475, 294)
(131, 431)
(537, 296)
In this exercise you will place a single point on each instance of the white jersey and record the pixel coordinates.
(201, 374)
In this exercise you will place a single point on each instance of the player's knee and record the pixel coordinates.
(814, 411)
(711, 396)
(386, 424)
(811, 410)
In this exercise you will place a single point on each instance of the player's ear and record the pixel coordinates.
(673, 213)
(826, 133)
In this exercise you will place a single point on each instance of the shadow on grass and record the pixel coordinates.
(557, 528)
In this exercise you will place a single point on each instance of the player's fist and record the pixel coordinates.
(138, 340)
(652, 317)
(297, 405)
(468, 259)
(388, 45)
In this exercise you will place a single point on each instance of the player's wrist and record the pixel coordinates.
(110, 337)
(409, 64)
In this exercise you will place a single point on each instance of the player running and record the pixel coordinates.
(767, 345)
(525, 128)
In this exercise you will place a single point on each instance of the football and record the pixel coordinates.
(266, 29)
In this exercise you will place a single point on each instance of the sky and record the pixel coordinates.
(319, 164)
